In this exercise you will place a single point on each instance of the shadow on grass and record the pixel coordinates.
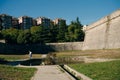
(32, 62)
(3, 61)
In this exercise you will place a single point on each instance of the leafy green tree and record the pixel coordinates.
(62, 28)
(75, 32)
(54, 33)
(71, 31)
(79, 35)
(10, 35)
(47, 36)
(1, 36)
(21, 38)
(24, 37)
(27, 36)
(36, 34)
(1, 27)
(1, 24)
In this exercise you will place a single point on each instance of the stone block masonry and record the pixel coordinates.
(103, 34)
(39, 48)
(66, 46)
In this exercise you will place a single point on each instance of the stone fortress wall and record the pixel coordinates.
(103, 34)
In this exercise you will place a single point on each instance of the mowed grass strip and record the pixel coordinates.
(108, 53)
(99, 71)
(18, 57)
(16, 73)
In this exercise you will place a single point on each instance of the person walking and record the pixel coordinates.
(30, 57)
(30, 54)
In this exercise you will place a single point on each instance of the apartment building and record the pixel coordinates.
(0, 24)
(34, 22)
(6, 21)
(25, 22)
(15, 23)
(58, 21)
(43, 21)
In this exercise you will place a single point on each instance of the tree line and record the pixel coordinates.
(40, 34)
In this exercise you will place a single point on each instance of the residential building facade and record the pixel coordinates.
(58, 21)
(43, 21)
(0, 24)
(6, 21)
(15, 23)
(34, 22)
(25, 22)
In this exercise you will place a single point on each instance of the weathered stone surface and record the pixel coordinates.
(66, 46)
(39, 48)
(104, 34)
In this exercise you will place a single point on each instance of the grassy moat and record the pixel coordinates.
(96, 71)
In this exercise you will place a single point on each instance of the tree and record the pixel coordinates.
(10, 35)
(78, 24)
(37, 34)
(21, 38)
(71, 33)
(1, 24)
(75, 32)
(1, 36)
(54, 33)
(79, 35)
(24, 37)
(62, 28)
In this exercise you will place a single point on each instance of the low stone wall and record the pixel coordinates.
(39, 48)
(66, 46)
(22, 49)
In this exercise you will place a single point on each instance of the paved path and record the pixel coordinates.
(51, 72)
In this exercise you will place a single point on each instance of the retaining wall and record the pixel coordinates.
(23, 49)
(66, 46)
(39, 48)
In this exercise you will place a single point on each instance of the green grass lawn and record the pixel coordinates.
(18, 57)
(16, 73)
(99, 71)
(108, 53)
